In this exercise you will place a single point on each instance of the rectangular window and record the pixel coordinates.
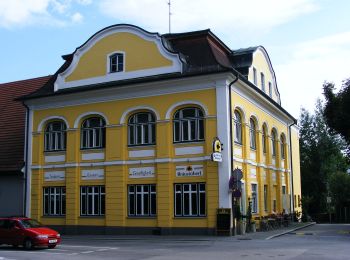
(252, 138)
(266, 198)
(254, 198)
(116, 62)
(190, 200)
(262, 81)
(255, 77)
(54, 201)
(142, 200)
(92, 200)
(270, 89)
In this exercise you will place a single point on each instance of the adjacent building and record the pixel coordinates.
(121, 136)
(12, 140)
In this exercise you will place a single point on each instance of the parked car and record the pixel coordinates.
(27, 232)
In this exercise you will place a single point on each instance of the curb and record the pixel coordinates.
(291, 230)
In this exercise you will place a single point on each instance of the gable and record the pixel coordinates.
(262, 64)
(144, 55)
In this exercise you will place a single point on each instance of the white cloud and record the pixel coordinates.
(300, 78)
(225, 15)
(77, 18)
(27, 12)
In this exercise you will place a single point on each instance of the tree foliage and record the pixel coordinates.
(337, 109)
(320, 157)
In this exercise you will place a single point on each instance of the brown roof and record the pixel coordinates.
(12, 122)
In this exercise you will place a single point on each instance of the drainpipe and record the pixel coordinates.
(291, 163)
(26, 160)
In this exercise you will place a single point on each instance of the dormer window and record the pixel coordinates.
(116, 62)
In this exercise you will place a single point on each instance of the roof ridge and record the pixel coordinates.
(23, 80)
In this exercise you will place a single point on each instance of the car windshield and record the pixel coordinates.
(30, 223)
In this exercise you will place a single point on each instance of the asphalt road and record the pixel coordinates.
(314, 242)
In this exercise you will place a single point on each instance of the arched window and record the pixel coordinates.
(283, 141)
(141, 129)
(116, 62)
(273, 142)
(55, 136)
(238, 127)
(188, 125)
(252, 132)
(264, 138)
(93, 133)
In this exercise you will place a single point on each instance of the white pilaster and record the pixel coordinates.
(28, 164)
(223, 130)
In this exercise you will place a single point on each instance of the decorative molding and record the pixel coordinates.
(81, 116)
(54, 176)
(141, 153)
(185, 102)
(55, 158)
(93, 174)
(189, 150)
(43, 122)
(129, 110)
(92, 156)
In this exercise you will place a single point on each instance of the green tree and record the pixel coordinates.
(320, 156)
(337, 109)
(339, 187)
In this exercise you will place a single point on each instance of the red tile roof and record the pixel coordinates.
(12, 122)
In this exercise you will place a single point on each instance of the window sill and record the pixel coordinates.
(189, 217)
(60, 152)
(238, 144)
(95, 216)
(53, 216)
(188, 143)
(133, 147)
(141, 217)
(100, 149)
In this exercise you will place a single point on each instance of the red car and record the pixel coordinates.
(27, 232)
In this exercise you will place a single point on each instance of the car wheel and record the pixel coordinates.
(28, 244)
(52, 246)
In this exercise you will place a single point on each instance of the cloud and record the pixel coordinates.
(14, 13)
(77, 18)
(228, 15)
(300, 78)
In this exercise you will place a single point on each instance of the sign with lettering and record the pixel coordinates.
(142, 172)
(216, 156)
(54, 176)
(189, 171)
(98, 174)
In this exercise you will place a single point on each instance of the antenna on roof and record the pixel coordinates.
(169, 4)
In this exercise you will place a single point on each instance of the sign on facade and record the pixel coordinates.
(189, 171)
(142, 172)
(54, 176)
(92, 174)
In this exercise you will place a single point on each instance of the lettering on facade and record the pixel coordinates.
(144, 172)
(54, 176)
(189, 171)
(93, 174)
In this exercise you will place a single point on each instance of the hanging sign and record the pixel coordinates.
(216, 156)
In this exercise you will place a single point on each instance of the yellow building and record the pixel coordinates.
(121, 136)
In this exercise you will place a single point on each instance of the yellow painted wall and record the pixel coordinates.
(140, 54)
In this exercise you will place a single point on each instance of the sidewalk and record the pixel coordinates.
(248, 236)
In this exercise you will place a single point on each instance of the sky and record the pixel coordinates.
(308, 41)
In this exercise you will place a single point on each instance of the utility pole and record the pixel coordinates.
(169, 4)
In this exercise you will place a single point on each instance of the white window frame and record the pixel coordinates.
(238, 128)
(92, 193)
(109, 57)
(262, 79)
(56, 201)
(183, 202)
(138, 197)
(55, 140)
(252, 134)
(97, 143)
(136, 129)
(181, 123)
(255, 198)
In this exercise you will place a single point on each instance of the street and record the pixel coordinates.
(314, 242)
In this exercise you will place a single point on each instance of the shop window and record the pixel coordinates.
(252, 134)
(92, 200)
(238, 127)
(142, 200)
(188, 125)
(93, 133)
(141, 129)
(54, 201)
(116, 62)
(190, 200)
(254, 198)
(55, 136)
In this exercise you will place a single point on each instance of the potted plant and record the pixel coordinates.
(240, 221)
(251, 226)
